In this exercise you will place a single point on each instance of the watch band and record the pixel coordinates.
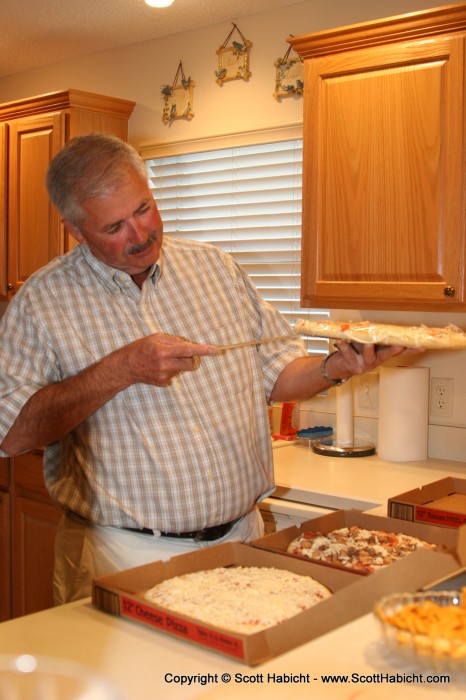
(323, 372)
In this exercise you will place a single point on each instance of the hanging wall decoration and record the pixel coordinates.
(289, 77)
(178, 97)
(233, 60)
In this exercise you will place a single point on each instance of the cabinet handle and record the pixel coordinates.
(10, 287)
(449, 291)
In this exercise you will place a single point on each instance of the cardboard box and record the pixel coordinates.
(454, 541)
(441, 503)
(122, 594)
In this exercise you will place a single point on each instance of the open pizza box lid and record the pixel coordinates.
(454, 541)
(122, 594)
(441, 503)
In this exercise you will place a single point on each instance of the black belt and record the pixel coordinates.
(208, 534)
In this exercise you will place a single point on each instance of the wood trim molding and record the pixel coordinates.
(408, 27)
(66, 99)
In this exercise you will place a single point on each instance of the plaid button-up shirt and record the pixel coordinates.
(179, 458)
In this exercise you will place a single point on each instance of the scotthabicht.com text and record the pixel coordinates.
(303, 678)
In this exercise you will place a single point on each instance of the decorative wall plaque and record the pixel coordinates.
(233, 60)
(289, 78)
(178, 97)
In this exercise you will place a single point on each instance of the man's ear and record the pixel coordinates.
(73, 231)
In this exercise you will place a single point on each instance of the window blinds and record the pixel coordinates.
(246, 200)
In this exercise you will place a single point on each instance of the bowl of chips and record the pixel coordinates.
(429, 627)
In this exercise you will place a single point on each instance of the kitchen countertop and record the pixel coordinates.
(363, 483)
(143, 663)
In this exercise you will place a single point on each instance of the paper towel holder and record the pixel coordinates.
(330, 448)
(343, 443)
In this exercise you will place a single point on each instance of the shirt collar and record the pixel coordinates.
(113, 279)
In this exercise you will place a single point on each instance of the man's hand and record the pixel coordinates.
(158, 358)
(358, 358)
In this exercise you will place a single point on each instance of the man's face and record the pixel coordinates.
(124, 228)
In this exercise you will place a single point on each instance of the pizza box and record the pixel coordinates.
(122, 594)
(454, 541)
(441, 503)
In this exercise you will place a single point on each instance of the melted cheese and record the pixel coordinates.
(239, 599)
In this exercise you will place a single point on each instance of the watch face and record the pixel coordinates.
(341, 381)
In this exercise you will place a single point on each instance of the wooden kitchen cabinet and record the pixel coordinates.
(384, 180)
(28, 523)
(3, 210)
(34, 528)
(32, 131)
(5, 557)
(34, 524)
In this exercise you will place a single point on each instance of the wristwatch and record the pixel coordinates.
(325, 376)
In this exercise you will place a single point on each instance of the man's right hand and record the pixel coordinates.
(157, 359)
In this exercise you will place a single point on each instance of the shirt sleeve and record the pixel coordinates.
(27, 362)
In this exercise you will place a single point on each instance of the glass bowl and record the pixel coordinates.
(28, 677)
(422, 640)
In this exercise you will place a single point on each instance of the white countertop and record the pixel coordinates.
(352, 482)
(142, 662)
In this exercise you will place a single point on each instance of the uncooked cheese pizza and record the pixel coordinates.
(449, 337)
(240, 599)
(357, 548)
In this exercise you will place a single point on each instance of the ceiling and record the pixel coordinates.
(36, 33)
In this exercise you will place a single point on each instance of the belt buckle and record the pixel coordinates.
(208, 534)
(215, 532)
(201, 536)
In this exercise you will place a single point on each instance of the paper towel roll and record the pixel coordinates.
(403, 413)
(344, 415)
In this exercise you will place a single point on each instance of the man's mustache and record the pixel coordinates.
(143, 246)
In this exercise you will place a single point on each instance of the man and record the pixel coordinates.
(155, 443)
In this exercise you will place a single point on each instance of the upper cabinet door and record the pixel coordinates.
(384, 177)
(3, 210)
(35, 235)
(32, 131)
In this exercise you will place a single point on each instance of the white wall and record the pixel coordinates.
(136, 73)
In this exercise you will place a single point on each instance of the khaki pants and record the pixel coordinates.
(84, 551)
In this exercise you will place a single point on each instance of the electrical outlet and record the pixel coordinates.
(441, 397)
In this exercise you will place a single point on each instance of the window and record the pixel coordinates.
(244, 198)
